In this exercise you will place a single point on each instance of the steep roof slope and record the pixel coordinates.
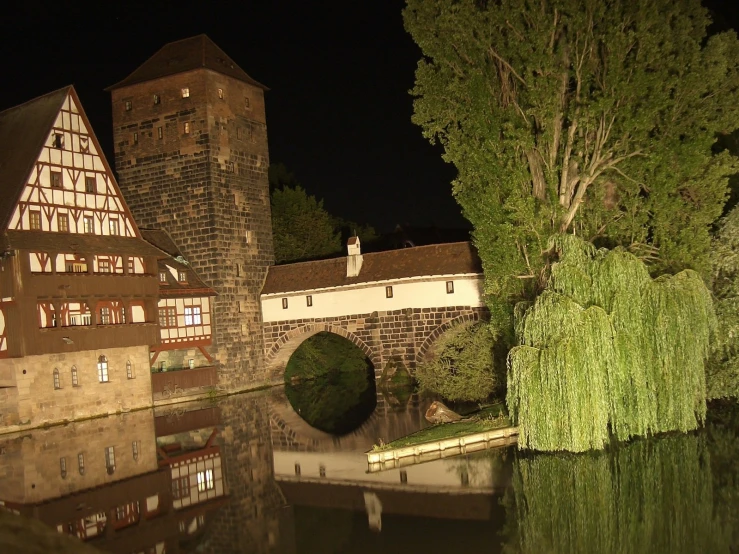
(186, 55)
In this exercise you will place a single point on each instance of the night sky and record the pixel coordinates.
(338, 112)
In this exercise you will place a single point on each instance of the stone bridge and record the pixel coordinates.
(392, 305)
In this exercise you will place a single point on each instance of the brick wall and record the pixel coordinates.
(398, 336)
(208, 188)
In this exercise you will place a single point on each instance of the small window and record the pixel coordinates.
(247, 236)
(90, 184)
(63, 223)
(81, 463)
(110, 458)
(205, 480)
(75, 381)
(182, 277)
(220, 93)
(63, 467)
(56, 179)
(104, 316)
(388, 292)
(88, 224)
(187, 127)
(128, 105)
(230, 167)
(129, 369)
(157, 100)
(35, 220)
(135, 138)
(103, 266)
(191, 363)
(193, 315)
(114, 227)
(162, 276)
(450, 287)
(167, 317)
(309, 300)
(135, 449)
(160, 134)
(247, 103)
(185, 92)
(180, 488)
(57, 381)
(103, 369)
(284, 303)
(58, 140)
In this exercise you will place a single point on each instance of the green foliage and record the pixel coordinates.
(334, 383)
(647, 496)
(591, 116)
(461, 365)
(607, 347)
(722, 369)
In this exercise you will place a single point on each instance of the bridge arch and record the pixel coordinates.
(426, 345)
(279, 354)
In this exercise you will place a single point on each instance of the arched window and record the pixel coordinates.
(129, 369)
(57, 381)
(81, 462)
(103, 369)
(75, 382)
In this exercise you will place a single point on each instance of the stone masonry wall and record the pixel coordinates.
(208, 188)
(398, 336)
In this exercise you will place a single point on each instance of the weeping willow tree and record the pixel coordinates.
(607, 348)
(645, 497)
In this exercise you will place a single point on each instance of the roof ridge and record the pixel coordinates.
(65, 88)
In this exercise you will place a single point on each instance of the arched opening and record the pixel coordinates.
(330, 383)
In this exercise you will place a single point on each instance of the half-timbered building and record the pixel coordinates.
(78, 284)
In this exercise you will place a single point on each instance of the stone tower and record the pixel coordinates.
(191, 153)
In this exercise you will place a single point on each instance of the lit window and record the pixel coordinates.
(104, 266)
(56, 179)
(104, 316)
(157, 100)
(220, 93)
(90, 186)
(192, 315)
(129, 369)
(247, 236)
(58, 140)
(183, 277)
(191, 363)
(160, 134)
(284, 303)
(450, 287)
(128, 106)
(135, 449)
(63, 223)
(63, 467)
(35, 220)
(167, 317)
(309, 300)
(205, 480)
(185, 93)
(388, 292)
(110, 459)
(114, 227)
(162, 366)
(162, 276)
(88, 224)
(187, 127)
(57, 381)
(135, 138)
(75, 382)
(103, 369)
(81, 463)
(247, 103)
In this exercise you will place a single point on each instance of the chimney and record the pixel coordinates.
(354, 257)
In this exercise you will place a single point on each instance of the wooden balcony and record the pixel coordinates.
(72, 339)
(81, 285)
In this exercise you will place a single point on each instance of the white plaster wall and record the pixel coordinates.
(137, 314)
(427, 293)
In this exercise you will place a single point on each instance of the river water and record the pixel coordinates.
(249, 474)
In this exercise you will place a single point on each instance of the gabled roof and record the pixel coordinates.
(458, 258)
(186, 55)
(173, 286)
(23, 132)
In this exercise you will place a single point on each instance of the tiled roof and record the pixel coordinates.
(438, 259)
(186, 55)
(45, 241)
(23, 132)
(174, 287)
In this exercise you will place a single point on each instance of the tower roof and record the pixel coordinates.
(186, 55)
(23, 131)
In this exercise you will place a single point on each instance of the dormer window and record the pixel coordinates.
(183, 277)
(58, 140)
(162, 276)
(185, 92)
(90, 184)
(157, 99)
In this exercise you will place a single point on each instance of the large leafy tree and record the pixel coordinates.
(594, 117)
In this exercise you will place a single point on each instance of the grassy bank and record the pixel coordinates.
(485, 419)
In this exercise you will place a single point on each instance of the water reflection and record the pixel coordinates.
(249, 475)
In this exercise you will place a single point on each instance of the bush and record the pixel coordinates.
(461, 364)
